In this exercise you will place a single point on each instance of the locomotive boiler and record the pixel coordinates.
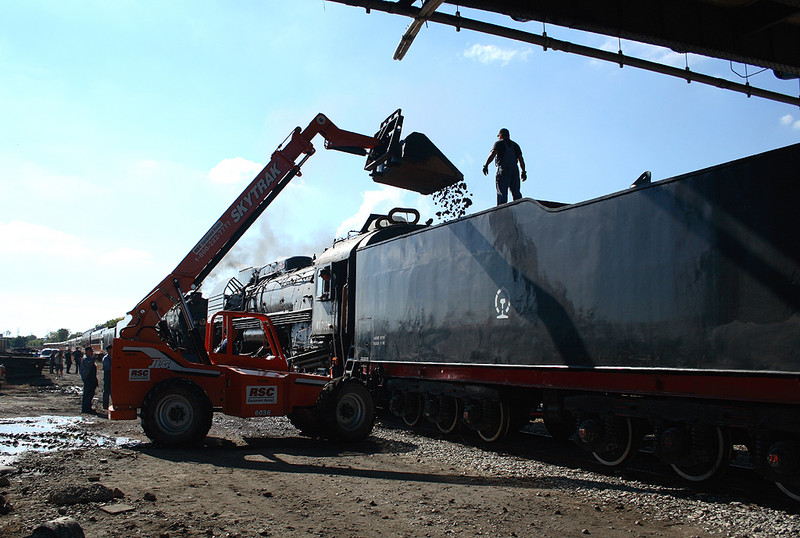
(309, 299)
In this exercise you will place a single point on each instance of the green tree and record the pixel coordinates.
(113, 322)
(62, 334)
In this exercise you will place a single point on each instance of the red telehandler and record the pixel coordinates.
(239, 367)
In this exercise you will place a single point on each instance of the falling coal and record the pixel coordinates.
(453, 201)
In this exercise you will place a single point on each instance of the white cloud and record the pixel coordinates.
(380, 201)
(234, 171)
(652, 53)
(67, 281)
(24, 238)
(789, 121)
(487, 54)
(23, 179)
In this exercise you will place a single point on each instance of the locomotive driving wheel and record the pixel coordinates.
(624, 445)
(712, 450)
(451, 410)
(412, 413)
(496, 420)
(791, 488)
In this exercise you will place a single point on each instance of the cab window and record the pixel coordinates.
(324, 283)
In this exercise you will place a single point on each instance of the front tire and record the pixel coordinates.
(346, 409)
(176, 413)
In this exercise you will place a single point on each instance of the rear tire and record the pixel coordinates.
(176, 413)
(306, 420)
(346, 409)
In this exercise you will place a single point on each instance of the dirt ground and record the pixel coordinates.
(259, 477)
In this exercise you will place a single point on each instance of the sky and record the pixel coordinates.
(129, 127)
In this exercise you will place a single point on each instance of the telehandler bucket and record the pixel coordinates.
(414, 164)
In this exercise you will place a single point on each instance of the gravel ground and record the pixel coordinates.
(258, 477)
(719, 514)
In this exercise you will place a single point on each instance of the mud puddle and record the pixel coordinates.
(48, 433)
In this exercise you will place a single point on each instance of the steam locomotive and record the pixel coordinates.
(668, 310)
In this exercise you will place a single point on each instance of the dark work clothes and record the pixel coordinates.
(507, 178)
(88, 371)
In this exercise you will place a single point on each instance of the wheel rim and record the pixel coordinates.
(618, 456)
(496, 431)
(350, 411)
(790, 489)
(413, 416)
(174, 414)
(704, 471)
(450, 422)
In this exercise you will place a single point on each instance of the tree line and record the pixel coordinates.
(32, 341)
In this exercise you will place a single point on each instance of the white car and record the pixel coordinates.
(47, 352)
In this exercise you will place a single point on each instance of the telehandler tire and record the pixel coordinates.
(346, 410)
(176, 413)
(307, 420)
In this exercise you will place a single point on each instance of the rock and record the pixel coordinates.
(6, 469)
(63, 527)
(5, 506)
(83, 494)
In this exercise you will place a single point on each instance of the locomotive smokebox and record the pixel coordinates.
(420, 167)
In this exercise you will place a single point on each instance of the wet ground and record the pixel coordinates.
(50, 433)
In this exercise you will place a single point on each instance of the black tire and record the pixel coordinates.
(176, 413)
(306, 420)
(346, 410)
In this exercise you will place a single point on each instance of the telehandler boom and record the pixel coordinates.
(239, 367)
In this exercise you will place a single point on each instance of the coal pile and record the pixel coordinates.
(453, 201)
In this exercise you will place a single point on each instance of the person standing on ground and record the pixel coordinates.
(76, 358)
(107, 377)
(68, 358)
(88, 372)
(59, 364)
(506, 153)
